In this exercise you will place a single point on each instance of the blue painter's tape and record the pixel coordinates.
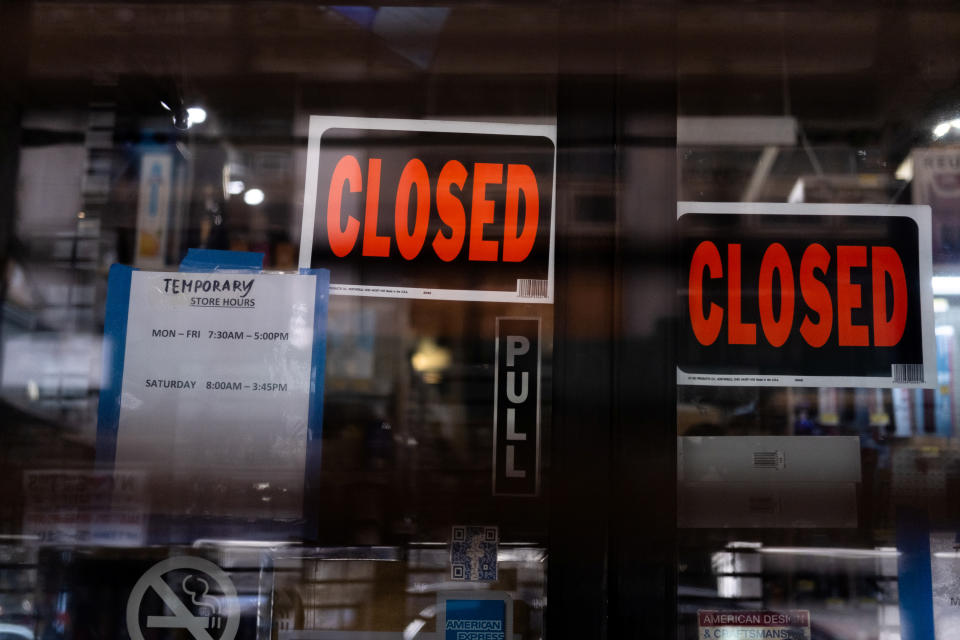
(315, 408)
(319, 356)
(206, 260)
(114, 347)
(914, 575)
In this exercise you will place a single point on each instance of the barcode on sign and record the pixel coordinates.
(527, 288)
(767, 459)
(907, 373)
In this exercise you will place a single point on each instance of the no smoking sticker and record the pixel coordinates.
(184, 593)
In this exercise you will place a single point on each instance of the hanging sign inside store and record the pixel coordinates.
(153, 209)
(936, 182)
(516, 408)
(767, 481)
(739, 624)
(805, 295)
(431, 209)
(213, 385)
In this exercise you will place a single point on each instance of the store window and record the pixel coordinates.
(478, 321)
(851, 108)
(230, 408)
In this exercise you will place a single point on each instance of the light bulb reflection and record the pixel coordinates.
(253, 196)
(196, 115)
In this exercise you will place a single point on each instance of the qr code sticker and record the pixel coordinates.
(473, 553)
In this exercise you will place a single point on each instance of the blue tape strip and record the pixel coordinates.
(318, 362)
(319, 357)
(114, 347)
(205, 260)
(914, 575)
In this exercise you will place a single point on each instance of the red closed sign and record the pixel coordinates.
(805, 295)
(431, 209)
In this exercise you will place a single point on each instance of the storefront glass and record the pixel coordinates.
(470, 424)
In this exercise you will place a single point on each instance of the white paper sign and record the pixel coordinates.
(945, 573)
(216, 388)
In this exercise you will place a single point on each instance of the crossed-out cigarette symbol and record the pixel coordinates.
(225, 615)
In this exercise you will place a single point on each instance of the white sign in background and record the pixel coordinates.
(945, 574)
(153, 209)
(216, 386)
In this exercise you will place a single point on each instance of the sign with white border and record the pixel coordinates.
(481, 198)
(783, 295)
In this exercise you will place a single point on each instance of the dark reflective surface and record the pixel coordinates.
(652, 104)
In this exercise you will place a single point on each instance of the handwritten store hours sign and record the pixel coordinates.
(214, 378)
(805, 295)
(431, 209)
